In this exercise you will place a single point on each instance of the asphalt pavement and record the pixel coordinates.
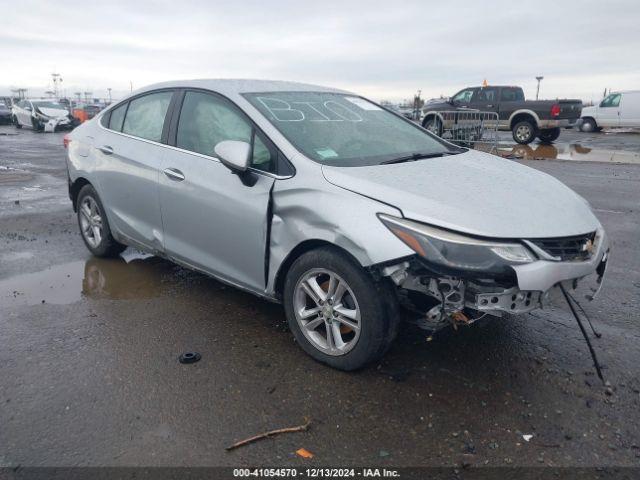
(89, 352)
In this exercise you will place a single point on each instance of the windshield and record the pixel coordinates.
(47, 104)
(343, 130)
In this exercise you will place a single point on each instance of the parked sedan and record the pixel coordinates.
(325, 201)
(41, 115)
(5, 114)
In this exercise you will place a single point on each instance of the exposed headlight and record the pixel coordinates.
(456, 251)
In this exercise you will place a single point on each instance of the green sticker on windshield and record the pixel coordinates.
(327, 153)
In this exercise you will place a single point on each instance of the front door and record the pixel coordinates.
(609, 111)
(213, 219)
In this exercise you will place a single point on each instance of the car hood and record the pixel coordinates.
(475, 193)
(53, 112)
(588, 111)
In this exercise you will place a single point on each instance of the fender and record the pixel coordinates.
(526, 112)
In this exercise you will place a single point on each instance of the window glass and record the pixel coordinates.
(511, 95)
(612, 100)
(145, 116)
(343, 130)
(464, 96)
(486, 95)
(206, 120)
(262, 158)
(117, 116)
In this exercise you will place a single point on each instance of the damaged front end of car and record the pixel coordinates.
(50, 123)
(456, 279)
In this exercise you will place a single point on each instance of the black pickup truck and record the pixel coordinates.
(527, 119)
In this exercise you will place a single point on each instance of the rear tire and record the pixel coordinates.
(524, 132)
(549, 135)
(94, 227)
(589, 125)
(365, 320)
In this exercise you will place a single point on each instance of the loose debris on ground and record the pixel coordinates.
(271, 433)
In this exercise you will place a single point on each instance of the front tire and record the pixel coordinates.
(94, 227)
(434, 125)
(16, 122)
(524, 132)
(338, 314)
(549, 135)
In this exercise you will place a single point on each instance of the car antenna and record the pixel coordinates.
(584, 314)
(584, 334)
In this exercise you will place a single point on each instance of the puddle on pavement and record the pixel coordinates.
(15, 256)
(138, 277)
(574, 152)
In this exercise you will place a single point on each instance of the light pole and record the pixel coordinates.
(109, 90)
(57, 78)
(416, 105)
(538, 89)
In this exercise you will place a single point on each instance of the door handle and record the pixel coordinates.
(489, 106)
(106, 149)
(174, 174)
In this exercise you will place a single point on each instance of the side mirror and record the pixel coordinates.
(27, 109)
(234, 154)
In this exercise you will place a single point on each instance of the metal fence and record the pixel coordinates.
(474, 129)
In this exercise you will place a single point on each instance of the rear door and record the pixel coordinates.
(213, 219)
(485, 99)
(128, 154)
(609, 111)
(511, 99)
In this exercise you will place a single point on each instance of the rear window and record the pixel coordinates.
(117, 117)
(145, 116)
(511, 95)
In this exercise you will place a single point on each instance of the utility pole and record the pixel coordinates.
(56, 80)
(538, 89)
(21, 93)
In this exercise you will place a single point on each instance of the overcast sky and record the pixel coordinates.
(384, 50)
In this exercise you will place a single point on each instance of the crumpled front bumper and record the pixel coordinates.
(51, 124)
(543, 274)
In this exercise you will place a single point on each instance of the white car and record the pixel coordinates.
(618, 109)
(43, 115)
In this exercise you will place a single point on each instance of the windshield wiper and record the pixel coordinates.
(418, 156)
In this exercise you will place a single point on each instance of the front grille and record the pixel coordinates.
(568, 249)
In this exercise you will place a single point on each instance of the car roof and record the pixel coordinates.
(234, 87)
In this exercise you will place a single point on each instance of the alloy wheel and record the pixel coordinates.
(327, 311)
(91, 221)
(523, 132)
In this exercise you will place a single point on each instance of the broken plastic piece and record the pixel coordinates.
(189, 357)
(304, 453)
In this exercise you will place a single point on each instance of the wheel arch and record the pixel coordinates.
(74, 190)
(431, 115)
(523, 115)
(299, 250)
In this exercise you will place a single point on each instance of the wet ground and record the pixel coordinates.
(89, 352)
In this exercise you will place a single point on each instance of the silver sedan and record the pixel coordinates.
(321, 199)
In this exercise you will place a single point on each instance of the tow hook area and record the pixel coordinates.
(511, 300)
